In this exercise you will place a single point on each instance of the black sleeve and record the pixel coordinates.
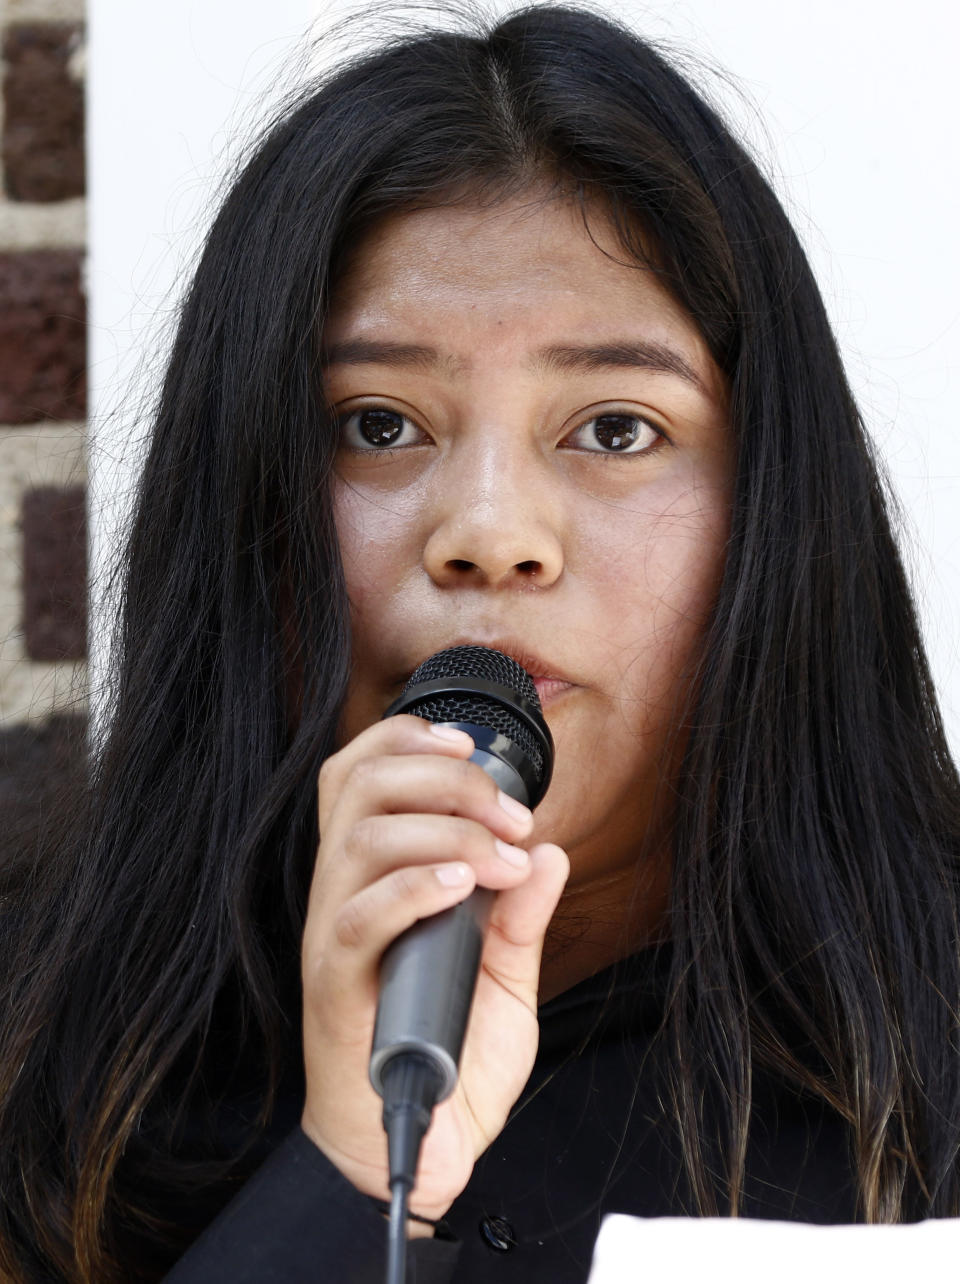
(298, 1220)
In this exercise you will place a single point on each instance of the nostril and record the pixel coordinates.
(459, 564)
(528, 568)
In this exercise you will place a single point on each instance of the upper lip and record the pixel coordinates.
(536, 665)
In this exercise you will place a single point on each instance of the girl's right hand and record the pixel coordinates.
(408, 827)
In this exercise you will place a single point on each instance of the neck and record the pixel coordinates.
(600, 921)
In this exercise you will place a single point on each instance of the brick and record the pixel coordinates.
(42, 337)
(54, 573)
(43, 153)
(32, 456)
(41, 767)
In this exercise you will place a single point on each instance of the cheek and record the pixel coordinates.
(653, 580)
(369, 540)
(659, 576)
(375, 539)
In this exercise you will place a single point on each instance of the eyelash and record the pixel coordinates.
(660, 438)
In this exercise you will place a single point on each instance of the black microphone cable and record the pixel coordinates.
(429, 973)
(410, 1091)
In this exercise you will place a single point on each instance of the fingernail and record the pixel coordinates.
(451, 875)
(450, 733)
(515, 810)
(512, 855)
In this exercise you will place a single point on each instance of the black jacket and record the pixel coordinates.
(588, 1137)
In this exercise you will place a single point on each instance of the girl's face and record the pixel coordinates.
(534, 456)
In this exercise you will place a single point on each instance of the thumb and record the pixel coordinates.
(521, 916)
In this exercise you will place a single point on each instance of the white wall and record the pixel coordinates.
(858, 102)
(852, 103)
(173, 88)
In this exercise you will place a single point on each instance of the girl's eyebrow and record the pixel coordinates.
(568, 358)
(639, 354)
(384, 352)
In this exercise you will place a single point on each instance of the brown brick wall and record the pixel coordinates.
(42, 111)
(43, 345)
(42, 412)
(39, 764)
(54, 573)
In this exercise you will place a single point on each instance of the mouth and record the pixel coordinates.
(548, 689)
(548, 679)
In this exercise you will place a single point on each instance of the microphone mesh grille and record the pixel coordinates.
(482, 710)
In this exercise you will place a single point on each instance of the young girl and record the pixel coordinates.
(499, 338)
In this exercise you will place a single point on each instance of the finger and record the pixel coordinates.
(369, 921)
(521, 916)
(378, 844)
(426, 782)
(401, 734)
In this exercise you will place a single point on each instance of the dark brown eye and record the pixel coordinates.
(376, 428)
(380, 427)
(616, 434)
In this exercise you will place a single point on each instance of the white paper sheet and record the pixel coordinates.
(722, 1250)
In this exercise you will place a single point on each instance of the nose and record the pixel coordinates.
(497, 522)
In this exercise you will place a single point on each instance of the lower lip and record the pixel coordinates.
(549, 688)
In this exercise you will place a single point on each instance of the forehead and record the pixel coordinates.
(472, 243)
(545, 262)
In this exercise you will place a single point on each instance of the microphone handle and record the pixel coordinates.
(429, 973)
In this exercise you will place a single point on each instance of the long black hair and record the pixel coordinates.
(815, 841)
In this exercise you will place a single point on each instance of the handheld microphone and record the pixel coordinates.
(429, 973)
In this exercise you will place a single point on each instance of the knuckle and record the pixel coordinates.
(468, 771)
(448, 802)
(469, 840)
(482, 785)
(483, 845)
(365, 774)
(361, 840)
(467, 781)
(406, 883)
(349, 924)
(408, 722)
(328, 777)
(403, 733)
